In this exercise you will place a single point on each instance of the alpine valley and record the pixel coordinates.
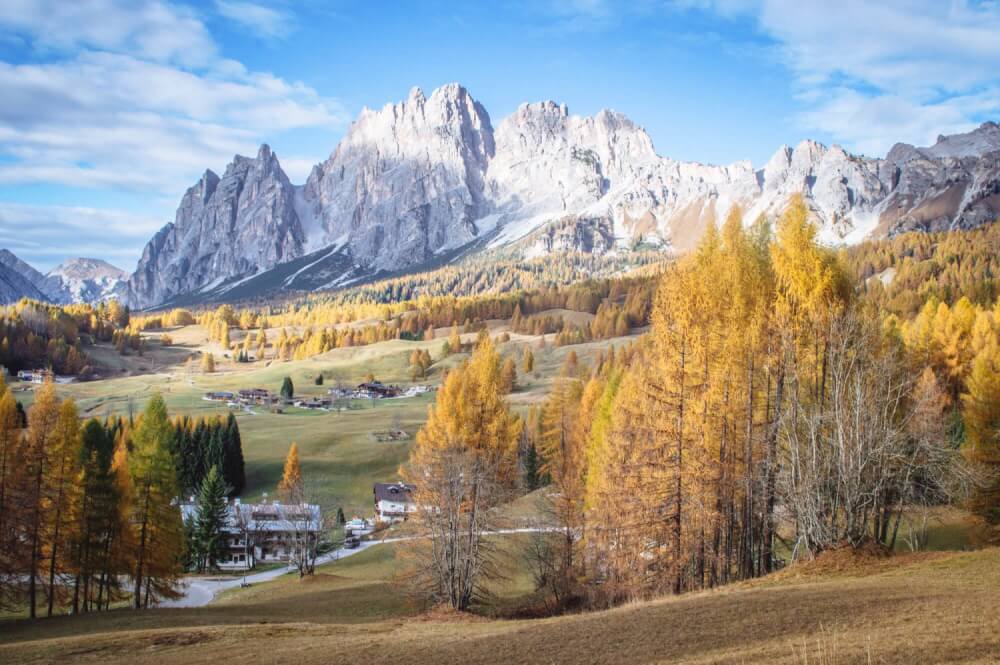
(431, 180)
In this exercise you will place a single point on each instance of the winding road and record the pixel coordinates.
(200, 591)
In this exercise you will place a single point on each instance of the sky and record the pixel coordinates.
(111, 109)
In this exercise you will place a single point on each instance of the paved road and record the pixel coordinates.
(200, 591)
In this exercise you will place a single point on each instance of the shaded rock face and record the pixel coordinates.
(227, 227)
(18, 279)
(406, 181)
(431, 175)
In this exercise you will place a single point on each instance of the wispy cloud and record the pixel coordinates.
(128, 96)
(157, 30)
(869, 74)
(265, 22)
(45, 235)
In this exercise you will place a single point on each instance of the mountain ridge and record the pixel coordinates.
(431, 174)
(77, 280)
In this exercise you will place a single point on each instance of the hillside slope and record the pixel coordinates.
(935, 608)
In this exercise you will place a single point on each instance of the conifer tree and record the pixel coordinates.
(36, 460)
(156, 519)
(292, 486)
(233, 463)
(528, 361)
(61, 494)
(508, 376)
(95, 511)
(287, 388)
(982, 423)
(208, 363)
(209, 529)
(10, 466)
(463, 464)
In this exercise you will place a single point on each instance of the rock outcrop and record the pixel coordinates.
(236, 225)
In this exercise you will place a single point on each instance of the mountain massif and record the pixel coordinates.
(74, 281)
(430, 179)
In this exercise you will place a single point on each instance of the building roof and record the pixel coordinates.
(394, 492)
(266, 516)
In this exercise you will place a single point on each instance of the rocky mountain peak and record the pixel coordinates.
(429, 176)
(87, 268)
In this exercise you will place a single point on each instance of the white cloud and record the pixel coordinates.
(156, 29)
(120, 95)
(112, 120)
(46, 235)
(263, 21)
(870, 74)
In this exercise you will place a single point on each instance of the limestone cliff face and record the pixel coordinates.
(227, 227)
(430, 175)
(406, 182)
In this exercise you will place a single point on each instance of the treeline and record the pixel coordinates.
(88, 512)
(772, 413)
(767, 387)
(306, 330)
(37, 335)
(945, 266)
(198, 444)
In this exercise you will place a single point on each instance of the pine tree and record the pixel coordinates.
(95, 511)
(292, 486)
(233, 463)
(61, 494)
(10, 465)
(528, 361)
(287, 388)
(463, 464)
(341, 520)
(212, 515)
(982, 423)
(159, 533)
(36, 460)
(508, 376)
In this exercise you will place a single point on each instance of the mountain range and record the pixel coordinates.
(431, 179)
(74, 281)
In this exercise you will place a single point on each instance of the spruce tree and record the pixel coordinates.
(233, 465)
(287, 389)
(209, 529)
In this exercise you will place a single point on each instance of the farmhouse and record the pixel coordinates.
(314, 403)
(221, 396)
(264, 531)
(35, 375)
(394, 502)
(377, 390)
(258, 396)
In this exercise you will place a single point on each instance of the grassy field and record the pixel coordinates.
(340, 459)
(925, 608)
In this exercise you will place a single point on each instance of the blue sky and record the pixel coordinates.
(110, 108)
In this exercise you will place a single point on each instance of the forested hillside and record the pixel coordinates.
(900, 274)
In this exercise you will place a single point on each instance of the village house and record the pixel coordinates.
(314, 403)
(35, 375)
(220, 396)
(394, 502)
(260, 532)
(258, 396)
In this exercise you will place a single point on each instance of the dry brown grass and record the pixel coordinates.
(920, 609)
